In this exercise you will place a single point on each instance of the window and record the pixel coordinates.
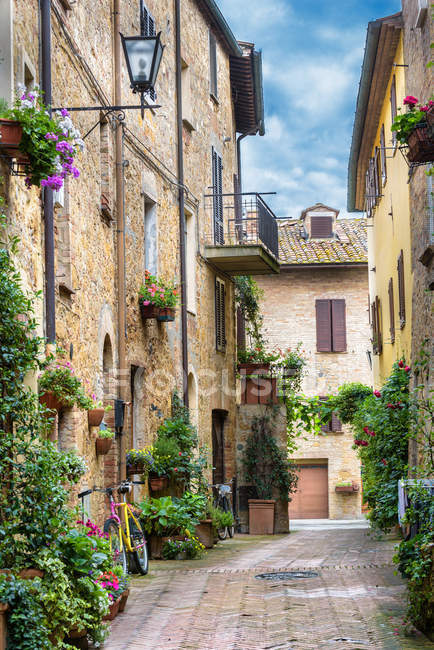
(106, 205)
(401, 289)
(391, 312)
(334, 425)
(213, 89)
(321, 227)
(393, 110)
(383, 155)
(377, 338)
(372, 187)
(150, 228)
(330, 326)
(190, 255)
(220, 322)
(63, 233)
(217, 190)
(147, 27)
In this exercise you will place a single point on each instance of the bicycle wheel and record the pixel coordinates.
(231, 530)
(112, 528)
(139, 556)
(222, 532)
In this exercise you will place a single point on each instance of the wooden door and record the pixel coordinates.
(218, 441)
(311, 499)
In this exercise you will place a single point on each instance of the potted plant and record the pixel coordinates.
(139, 461)
(157, 299)
(188, 548)
(124, 584)
(109, 581)
(104, 441)
(346, 487)
(255, 360)
(166, 453)
(163, 519)
(59, 387)
(96, 412)
(47, 144)
(269, 470)
(414, 128)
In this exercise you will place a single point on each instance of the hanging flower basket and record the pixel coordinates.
(421, 144)
(95, 417)
(163, 314)
(11, 133)
(158, 483)
(103, 446)
(137, 468)
(347, 489)
(51, 401)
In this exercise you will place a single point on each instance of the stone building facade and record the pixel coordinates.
(87, 216)
(323, 275)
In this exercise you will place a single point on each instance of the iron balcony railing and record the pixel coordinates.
(241, 219)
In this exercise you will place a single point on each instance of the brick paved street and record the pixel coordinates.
(216, 603)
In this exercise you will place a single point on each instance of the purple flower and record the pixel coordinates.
(64, 147)
(64, 112)
(28, 182)
(55, 182)
(30, 96)
(75, 172)
(23, 97)
(51, 136)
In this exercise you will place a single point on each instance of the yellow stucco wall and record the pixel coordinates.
(388, 234)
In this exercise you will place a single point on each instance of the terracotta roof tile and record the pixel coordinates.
(348, 246)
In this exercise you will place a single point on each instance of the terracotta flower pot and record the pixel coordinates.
(157, 483)
(114, 608)
(261, 516)
(123, 601)
(136, 468)
(51, 401)
(29, 574)
(103, 446)
(11, 133)
(205, 533)
(95, 417)
(254, 368)
(156, 544)
(77, 638)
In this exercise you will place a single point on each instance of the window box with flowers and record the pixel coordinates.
(140, 461)
(59, 387)
(157, 299)
(46, 145)
(415, 128)
(346, 487)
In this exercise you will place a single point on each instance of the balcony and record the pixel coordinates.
(244, 238)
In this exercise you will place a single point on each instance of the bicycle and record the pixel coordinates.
(222, 501)
(129, 540)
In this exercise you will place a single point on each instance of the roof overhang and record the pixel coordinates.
(221, 27)
(331, 265)
(247, 89)
(381, 42)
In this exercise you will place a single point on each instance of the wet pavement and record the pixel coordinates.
(353, 600)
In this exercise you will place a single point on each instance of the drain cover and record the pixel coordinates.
(287, 575)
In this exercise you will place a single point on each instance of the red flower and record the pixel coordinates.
(384, 461)
(377, 393)
(180, 453)
(371, 433)
(407, 368)
(410, 101)
(357, 442)
(175, 469)
(390, 406)
(364, 443)
(401, 363)
(366, 429)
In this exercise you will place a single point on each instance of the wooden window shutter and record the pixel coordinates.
(217, 184)
(378, 325)
(339, 330)
(326, 428)
(335, 424)
(383, 155)
(323, 326)
(377, 175)
(391, 312)
(374, 327)
(220, 315)
(213, 64)
(401, 289)
(393, 110)
(321, 227)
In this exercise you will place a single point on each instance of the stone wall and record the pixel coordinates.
(289, 317)
(86, 238)
(419, 82)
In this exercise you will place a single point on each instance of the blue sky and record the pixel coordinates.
(312, 55)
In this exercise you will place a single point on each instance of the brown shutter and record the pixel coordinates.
(339, 330)
(218, 330)
(326, 428)
(391, 312)
(377, 176)
(217, 171)
(393, 110)
(383, 155)
(223, 313)
(374, 328)
(213, 64)
(321, 227)
(378, 325)
(323, 326)
(401, 289)
(336, 424)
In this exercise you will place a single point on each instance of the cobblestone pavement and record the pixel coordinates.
(216, 603)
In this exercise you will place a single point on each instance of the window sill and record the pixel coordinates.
(331, 352)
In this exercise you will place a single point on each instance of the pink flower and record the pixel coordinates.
(146, 302)
(407, 368)
(410, 101)
(377, 393)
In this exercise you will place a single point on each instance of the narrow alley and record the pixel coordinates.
(352, 600)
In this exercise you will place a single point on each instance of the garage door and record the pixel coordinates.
(311, 499)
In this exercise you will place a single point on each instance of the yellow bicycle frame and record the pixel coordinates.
(124, 535)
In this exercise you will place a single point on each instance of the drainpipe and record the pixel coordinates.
(50, 297)
(180, 161)
(120, 271)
